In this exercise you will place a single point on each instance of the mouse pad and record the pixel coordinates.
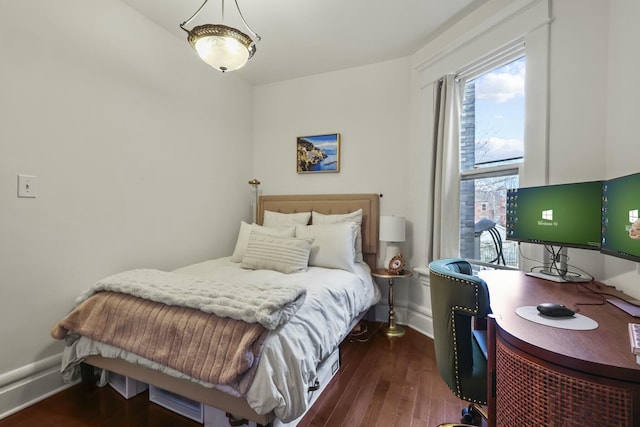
(577, 323)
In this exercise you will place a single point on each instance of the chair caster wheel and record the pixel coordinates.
(469, 415)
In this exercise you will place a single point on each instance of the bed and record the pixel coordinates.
(277, 384)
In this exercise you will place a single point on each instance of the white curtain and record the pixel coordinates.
(445, 178)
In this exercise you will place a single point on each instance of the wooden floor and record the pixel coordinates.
(381, 382)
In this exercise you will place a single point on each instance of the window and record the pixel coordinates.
(491, 150)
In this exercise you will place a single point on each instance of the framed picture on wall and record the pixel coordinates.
(318, 153)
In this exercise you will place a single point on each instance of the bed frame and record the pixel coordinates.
(324, 203)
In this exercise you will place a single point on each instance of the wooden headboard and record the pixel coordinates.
(332, 204)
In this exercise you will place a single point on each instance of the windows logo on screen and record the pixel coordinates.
(633, 216)
(548, 214)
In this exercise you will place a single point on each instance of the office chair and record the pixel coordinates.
(461, 351)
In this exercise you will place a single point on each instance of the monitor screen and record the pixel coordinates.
(567, 215)
(620, 225)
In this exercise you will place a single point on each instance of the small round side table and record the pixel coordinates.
(392, 330)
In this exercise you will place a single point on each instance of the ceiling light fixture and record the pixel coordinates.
(224, 48)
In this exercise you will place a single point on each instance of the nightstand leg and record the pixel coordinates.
(393, 330)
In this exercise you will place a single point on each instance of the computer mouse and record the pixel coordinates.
(554, 310)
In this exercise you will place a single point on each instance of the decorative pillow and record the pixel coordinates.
(283, 254)
(356, 216)
(281, 220)
(243, 237)
(333, 245)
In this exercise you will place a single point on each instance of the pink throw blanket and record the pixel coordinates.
(204, 346)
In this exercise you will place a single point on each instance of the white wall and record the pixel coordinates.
(578, 88)
(623, 93)
(139, 163)
(577, 108)
(368, 106)
(591, 105)
(575, 49)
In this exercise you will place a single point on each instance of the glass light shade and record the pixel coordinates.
(222, 47)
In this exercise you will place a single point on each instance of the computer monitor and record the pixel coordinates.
(620, 225)
(565, 215)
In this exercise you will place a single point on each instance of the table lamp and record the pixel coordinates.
(392, 230)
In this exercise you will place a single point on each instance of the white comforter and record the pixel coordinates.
(292, 352)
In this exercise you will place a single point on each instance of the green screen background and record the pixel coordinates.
(576, 210)
(620, 195)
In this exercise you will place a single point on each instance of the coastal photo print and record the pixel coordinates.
(318, 153)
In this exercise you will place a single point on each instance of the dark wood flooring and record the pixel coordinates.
(381, 382)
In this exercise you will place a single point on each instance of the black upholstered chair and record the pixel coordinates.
(457, 297)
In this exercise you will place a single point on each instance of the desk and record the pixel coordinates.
(551, 376)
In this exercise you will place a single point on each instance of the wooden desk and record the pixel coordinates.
(547, 376)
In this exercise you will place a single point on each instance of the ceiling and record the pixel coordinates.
(304, 37)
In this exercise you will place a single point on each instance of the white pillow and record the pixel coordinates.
(281, 220)
(356, 216)
(243, 237)
(283, 254)
(333, 245)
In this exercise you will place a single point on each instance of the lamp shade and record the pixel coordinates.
(392, 228)
(222, 47)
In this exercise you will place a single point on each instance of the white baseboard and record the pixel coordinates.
(30, 384)
(421, 323)
(415, 311)
(414, 316)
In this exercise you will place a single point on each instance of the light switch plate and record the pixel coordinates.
(27, 186)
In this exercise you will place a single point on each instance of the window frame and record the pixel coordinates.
(485, 65)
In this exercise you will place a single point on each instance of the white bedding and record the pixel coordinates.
(292, 352)
(269, 303)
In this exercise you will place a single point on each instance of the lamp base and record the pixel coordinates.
(390, 252)
(393, 331)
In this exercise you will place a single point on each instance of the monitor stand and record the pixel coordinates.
(568, 278)
(558, 270)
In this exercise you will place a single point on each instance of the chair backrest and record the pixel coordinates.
(456, 297)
